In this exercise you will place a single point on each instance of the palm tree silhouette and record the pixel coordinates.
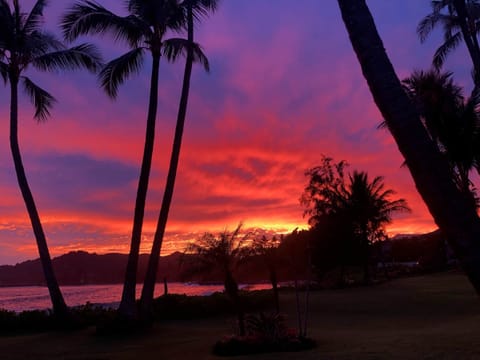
(368, 207)
(454, 214)
(268, 249)
(23, 43)
(452, 121)
(194, 9)
(224, 253)
(144, 31)
(460, 20)
(361, 206)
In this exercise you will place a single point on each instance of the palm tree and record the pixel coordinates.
(454, 214)
(322, 199)
(224, 253)
(194, 9)
(452, 121)
(361, 206)
(268, 250)
(460, 20)
(369, 208)
(24, 44)
(144, 30)
(322, 196)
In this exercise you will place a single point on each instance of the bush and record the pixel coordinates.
(270, 327)
(33, 321)
(174, 306)
(265, 333)
(25, 322)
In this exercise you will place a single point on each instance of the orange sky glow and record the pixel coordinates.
(282, 91)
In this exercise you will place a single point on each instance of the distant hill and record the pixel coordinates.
(79, 267)
(82, 268)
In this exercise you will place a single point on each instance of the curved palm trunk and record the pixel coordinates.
(453, 214)
(128, 307)
(58, 303)
(151, 276)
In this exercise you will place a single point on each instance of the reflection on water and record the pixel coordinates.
(36, 297)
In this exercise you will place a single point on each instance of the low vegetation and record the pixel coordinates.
(166, 307)
(422, 317)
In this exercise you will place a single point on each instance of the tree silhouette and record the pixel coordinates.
(322, 199)
(323, 194)
(460, 20)
(144, 30)
(359, 206)
(268, 249)
(194, 10)
(369, 208)
(23, 44)
(224, 253)
(452, 121)
(454, 214)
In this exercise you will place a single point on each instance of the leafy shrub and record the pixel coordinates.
(246, 345)
(174, 306)
(32, 321)
(25, 322)
(90, 314)
(270, 327)
(265, 333)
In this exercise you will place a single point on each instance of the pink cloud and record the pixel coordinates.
(285, 88)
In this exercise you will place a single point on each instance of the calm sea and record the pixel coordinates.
(36, 297)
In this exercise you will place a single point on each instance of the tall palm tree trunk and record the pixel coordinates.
(127, 307)
(365, 248)
(231, 288)
(274, 282)
(455, 216)
(58, 303)
(151, 276)
(470, 38)
(366, 262)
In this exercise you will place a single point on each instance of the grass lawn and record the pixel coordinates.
(428, 317)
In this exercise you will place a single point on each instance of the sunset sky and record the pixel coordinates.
(284, 88)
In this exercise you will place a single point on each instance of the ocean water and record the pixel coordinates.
(37, 298)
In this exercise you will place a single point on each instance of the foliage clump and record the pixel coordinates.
(264, 333)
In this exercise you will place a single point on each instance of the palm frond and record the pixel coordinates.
(4, 71)
(164, 14)
(201, 8)
(118, 70)
(4, 7)
(39, 43)
(225, 251)
(88, 17)
(16, 9)
(426, 26)
(438, 5)
(445, 49)
(428, 23)
(40, 98)
(84, 56)
(6, 24)
(175, 47)
(35, 18)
